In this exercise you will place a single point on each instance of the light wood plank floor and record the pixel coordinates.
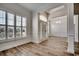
(54, 46)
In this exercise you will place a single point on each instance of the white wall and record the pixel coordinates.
(59, 26)
(16, 9)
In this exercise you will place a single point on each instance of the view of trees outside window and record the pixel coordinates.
(2, 32)
(18, 31)
(23, 27)
(9, 28)
(18, 26)
(2, 25)
(24, 31)
(10, 32)
(10, 25)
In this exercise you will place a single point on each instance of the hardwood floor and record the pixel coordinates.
(76, 48)
(54, 46)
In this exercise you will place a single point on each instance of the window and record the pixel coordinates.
(23, 21)
(18, 26)
(18, 20)
(2, 17)
(18, 31)
(10, 25)
(2, 25)
(2, 32)
(10, 19)
(24, 31)
(23, 26)
(10, 32)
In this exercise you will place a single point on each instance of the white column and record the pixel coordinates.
(47, 29)
(35, 28)
(76, 27)
(70, 27)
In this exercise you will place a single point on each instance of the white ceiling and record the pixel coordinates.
(37, 6)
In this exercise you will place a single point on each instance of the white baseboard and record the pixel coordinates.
(8, 45)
